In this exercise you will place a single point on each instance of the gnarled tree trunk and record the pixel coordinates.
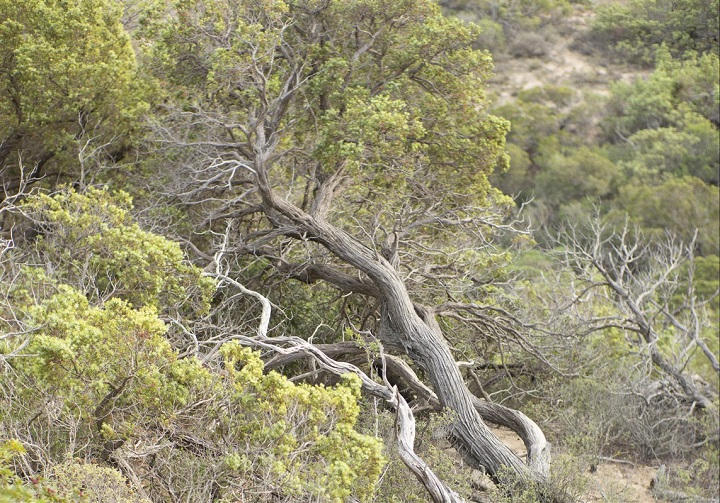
(401, 375)
(404, 325)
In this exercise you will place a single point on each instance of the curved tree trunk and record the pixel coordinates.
(415, 331)
(422, 340)
(405, 425)
(400, 374)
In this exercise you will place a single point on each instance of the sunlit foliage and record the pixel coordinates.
(87, 369)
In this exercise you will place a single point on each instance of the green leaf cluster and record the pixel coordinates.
(98, 372)
(676, 89)
(636, 29)
(413, 118)
(67, 77)
(656, 159)
(96, 230)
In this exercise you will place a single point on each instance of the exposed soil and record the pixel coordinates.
(563, 64)
(609, 482)
(622, 483)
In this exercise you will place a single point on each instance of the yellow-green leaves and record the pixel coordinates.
(282, 416)
(95, 233)
(92, 369)
(81, 352)
(374, 138)
(388, 93)
(67, 74)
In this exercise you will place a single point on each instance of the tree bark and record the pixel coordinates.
(401, 375)
(416, 332)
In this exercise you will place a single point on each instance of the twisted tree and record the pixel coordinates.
(349, 143)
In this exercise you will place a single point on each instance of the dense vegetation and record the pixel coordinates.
(240, 239)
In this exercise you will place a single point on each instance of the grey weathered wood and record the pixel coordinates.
(400, 373)
(405, 426)
(404, 325)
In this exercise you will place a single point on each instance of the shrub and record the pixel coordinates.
(528, 44)
(636, 29)
(98, 373)
(92, 483)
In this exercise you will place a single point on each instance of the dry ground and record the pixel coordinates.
(610, 482)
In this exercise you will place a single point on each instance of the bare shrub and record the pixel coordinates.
(528, 45)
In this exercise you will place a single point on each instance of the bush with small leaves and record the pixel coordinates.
(637, 28)
(89, 374)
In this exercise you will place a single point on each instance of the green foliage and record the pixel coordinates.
(98, 372)
(678, 205)
(531, 122)
(67, 77)
(413, 119)
(491, 36)
(668, 122)
(95, 229)
(337, 461)
(637, 28)
(517, 179)
(662, 152)
(12, 488)
(85, 353)
(674, 91)
(517, 15)
(661, 145)
(550, 161)
(119, 380)
(579, 173)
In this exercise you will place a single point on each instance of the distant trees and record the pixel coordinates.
(664, 134)
(679, 92)
(510, 27)
(636, 29)
(648, 136)
(514, 15)
(679, 205)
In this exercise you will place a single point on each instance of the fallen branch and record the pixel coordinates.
(537, 446)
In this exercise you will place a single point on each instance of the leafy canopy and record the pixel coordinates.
(67, 74)
(387, 93)
(636, 29)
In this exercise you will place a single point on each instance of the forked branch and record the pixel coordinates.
(405, 421)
